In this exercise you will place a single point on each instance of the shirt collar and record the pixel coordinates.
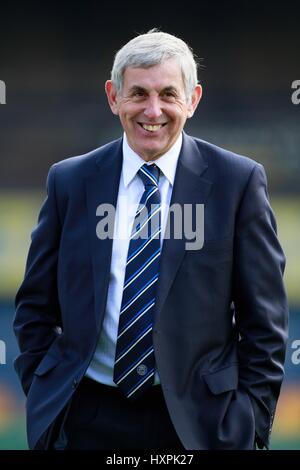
(167, 163)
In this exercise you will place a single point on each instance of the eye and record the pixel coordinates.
(169, 95)
(137, 94)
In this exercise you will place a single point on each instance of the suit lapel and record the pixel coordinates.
(189, 188)
(102, 188)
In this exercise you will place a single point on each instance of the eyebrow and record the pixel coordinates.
(137, 88)
(170, 89)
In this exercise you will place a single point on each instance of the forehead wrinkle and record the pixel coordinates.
(157, 77)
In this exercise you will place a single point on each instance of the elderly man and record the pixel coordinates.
(148, 340)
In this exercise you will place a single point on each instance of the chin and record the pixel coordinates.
(150, 154)
(153, 148)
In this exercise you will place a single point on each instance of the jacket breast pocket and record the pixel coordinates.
(222, 244)
(213, 252)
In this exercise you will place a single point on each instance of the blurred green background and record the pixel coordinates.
(55, 59)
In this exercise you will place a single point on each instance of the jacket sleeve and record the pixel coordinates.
(261, 310)
(37, 307)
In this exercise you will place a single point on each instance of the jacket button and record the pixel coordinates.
(74, 384)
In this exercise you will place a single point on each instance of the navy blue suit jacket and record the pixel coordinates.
(221, 314)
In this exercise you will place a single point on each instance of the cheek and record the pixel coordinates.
(125, 118)
(179, 120)
(177, 113)
(129, 115)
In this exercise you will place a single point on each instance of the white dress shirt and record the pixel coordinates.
(131, 189)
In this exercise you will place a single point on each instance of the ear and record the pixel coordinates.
(196, 97)
(111, 94)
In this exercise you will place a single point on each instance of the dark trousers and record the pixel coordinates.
(101, 417)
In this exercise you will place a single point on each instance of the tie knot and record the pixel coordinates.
(149, 174)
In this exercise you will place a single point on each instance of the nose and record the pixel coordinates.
(153, 109)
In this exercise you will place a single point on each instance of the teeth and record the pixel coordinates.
(152, 128)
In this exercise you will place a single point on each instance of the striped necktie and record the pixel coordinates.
(134, 361)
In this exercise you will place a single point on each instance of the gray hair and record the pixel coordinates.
(152, 48)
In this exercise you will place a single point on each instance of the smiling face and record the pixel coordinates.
(152, 107)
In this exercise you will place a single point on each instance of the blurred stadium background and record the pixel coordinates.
(55, 62)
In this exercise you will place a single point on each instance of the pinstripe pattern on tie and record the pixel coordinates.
(134, 361)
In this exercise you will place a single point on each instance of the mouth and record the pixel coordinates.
(151, 127)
